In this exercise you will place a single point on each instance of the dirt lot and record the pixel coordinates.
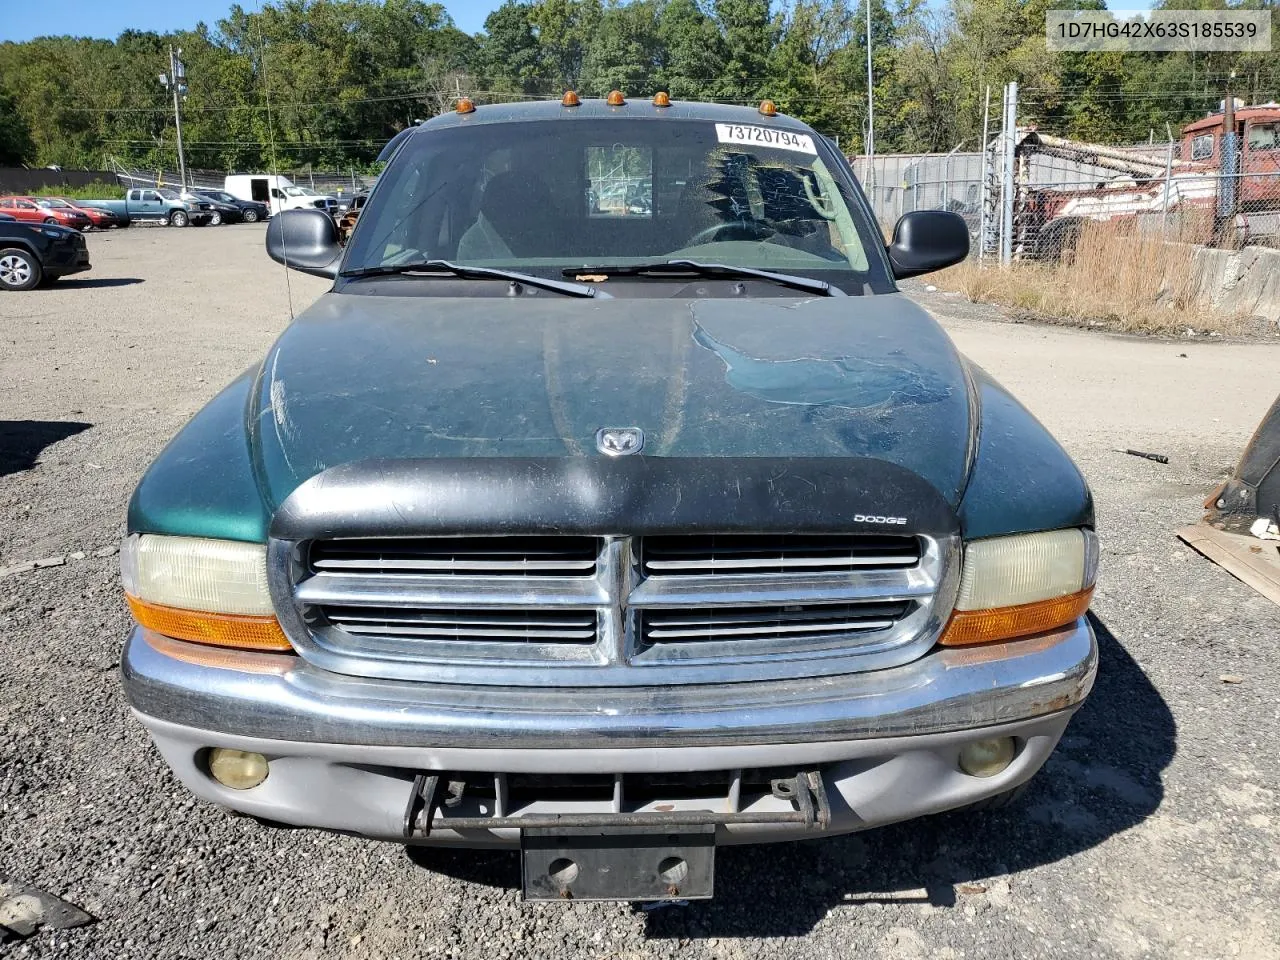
(1154, 831)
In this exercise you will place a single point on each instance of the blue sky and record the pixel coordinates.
(109, 18)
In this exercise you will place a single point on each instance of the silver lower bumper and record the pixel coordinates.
(283, 697)
(343, 752)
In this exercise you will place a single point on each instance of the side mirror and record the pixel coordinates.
(305, 240)
(927, 240)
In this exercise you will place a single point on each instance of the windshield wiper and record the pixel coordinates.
(428, 267)
(698, 269)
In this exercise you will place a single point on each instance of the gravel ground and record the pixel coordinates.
(1153, 832)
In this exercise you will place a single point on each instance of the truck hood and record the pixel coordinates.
(359, 378)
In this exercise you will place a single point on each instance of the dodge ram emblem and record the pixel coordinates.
(619, 441)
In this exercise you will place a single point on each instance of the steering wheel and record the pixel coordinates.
(735, 230)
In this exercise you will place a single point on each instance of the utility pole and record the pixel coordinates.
(987, 158)
(1224, 221)
(871, 104)
(1008, 161)
(176, 81)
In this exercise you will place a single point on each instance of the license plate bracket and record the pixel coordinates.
(618, 863)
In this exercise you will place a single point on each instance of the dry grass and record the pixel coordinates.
(1118, 278)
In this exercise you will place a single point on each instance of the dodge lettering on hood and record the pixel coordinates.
(615, 505)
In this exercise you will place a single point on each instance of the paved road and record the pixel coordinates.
(1153, 832)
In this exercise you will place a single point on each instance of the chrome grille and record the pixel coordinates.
(613, 611)
(715, 554)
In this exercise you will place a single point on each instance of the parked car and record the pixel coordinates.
(100, 219)
(32, 254)
(279, 193)
(219, 212)
(30, 210)
(612, 534)
(156, 205)
(250, 210)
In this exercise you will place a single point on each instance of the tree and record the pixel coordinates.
(15, 138)
(625, 51)
(749, 33)
(342, 76)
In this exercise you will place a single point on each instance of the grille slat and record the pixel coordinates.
(532, 626)
(823, 620)
(712, 554)
(759, 564)
(459, 556)
(469, 565)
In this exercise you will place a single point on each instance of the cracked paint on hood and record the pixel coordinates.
(362, 378)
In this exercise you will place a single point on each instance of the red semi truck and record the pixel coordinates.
(1227, 186)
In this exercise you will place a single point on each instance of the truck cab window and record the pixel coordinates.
(1264, 136)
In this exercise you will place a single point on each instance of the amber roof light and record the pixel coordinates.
(570, 99)
(616, 99)
(465, 106)
(768, 108)
(662, 99)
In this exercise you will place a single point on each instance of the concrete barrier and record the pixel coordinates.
(1244, 282)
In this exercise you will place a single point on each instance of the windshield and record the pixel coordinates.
(300, 192)
(169, 194)
(224, 197)
(53, 202)
(545, 195)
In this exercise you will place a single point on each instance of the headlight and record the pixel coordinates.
(1016, 586)
(209, 591)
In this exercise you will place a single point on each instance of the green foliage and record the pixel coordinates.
(324, 84)
(92, 191)
(15, 136)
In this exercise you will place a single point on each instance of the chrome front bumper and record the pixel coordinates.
(886, 741)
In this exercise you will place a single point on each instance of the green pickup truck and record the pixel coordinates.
(613, 504)
(156, 205)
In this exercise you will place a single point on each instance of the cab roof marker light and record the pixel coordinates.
(570, 99)
(465, 105)
(662, 99)
(616, 99)
(768, 108)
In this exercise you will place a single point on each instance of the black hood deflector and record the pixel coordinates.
(623, 496)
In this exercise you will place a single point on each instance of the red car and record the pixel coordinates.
(100, 219)
(30, 210)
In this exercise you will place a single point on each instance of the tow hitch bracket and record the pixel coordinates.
(424, 812)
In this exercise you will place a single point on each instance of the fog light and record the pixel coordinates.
(237, 769)
(986, 758)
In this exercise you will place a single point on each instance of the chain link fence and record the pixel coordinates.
(1031, 195)
(330, 182)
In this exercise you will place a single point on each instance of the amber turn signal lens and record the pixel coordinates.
(220, 629)
(616, 99)
(768, 108)
(662, 99)
(465, 106)
(570, 99)
(1007, 623)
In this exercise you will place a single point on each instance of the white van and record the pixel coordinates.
(279, 192)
